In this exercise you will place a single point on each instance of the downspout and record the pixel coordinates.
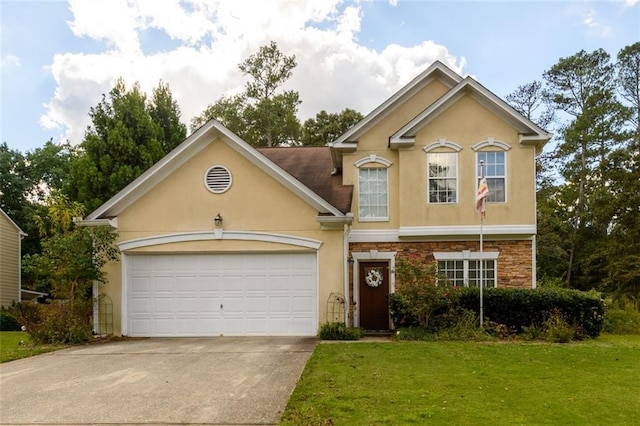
(345, 262)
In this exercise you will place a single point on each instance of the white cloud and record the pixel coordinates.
(630, 3)
(334, 70)
(10, 61)
(592, 23)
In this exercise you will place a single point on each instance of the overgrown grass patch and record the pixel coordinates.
(590, 382)
(17, 344)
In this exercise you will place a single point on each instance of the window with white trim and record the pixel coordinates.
(462, 269)
(442, 177)
(373, 197)
(495, 170)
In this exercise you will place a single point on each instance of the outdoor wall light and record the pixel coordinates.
(218, 221)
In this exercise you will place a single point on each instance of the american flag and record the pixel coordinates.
(481, 197)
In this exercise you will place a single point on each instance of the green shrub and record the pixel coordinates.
(622, 319)
(56, 323)
(8, 322)
(518, 309)
(338, 331)
(507, 312)
(557, 329)
(422, 297)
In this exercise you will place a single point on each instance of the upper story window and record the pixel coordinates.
(442, 172)
(494, 159)
(495, 171)
(373, 189)
(442, 177)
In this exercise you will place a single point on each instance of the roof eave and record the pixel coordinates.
(449, 77)
(185, 151)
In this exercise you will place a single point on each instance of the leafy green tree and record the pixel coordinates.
(25, 182)
(262, 115)
(327, 127)
(164, 110)
(126, 137)
(72, 259)
(15, 183)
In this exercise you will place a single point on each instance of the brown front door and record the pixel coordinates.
(374, 292)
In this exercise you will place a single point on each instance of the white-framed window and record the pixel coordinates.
(462, 269)
(373, 194)
(495, 170)
(442, 177)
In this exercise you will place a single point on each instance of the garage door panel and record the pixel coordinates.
(279, 304)
(163, 305)
(303, 304)
(233, 294)
(141, 305)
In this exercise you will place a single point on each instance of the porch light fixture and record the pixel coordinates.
(218, 221)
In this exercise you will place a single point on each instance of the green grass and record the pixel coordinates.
(594, 382)
(11, 348)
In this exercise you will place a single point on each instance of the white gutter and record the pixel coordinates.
(96, 222)
(345, 260)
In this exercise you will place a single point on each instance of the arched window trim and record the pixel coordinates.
(442, 143)
(373, 158)
(491, 142)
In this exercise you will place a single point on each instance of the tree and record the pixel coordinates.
(164, 110)
(15, 183)
(530, 101)
(327, 127)
(628, 68)
(72, 259)
(260, 115)
(582, 87)
(126, 137)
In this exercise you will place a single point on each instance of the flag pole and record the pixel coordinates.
(481, 243)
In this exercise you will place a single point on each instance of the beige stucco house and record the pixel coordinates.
(222, 238)
(10, 243)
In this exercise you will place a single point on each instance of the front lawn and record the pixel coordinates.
(590, 382)
(16, 345)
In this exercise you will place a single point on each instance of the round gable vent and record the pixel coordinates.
(217, 179)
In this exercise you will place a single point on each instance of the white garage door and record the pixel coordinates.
(222, 294)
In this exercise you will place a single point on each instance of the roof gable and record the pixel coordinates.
(20, 231)
(530, 133)
(437, 70)
(196, 142)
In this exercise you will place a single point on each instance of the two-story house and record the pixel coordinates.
(219, 238)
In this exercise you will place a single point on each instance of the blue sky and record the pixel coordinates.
(59, 57)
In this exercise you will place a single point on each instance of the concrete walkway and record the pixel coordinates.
(216, 381)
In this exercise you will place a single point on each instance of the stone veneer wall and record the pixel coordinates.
(514, 261)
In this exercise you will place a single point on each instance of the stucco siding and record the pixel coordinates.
(259, 215)
(466, 123)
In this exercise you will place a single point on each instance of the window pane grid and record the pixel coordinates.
(442, 177)
(466, 273)
(495, 172)
(489, 273)
(453, 270)
(372, 190)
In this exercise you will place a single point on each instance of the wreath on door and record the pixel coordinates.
(373, 278)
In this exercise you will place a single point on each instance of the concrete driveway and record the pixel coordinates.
(218, 380)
